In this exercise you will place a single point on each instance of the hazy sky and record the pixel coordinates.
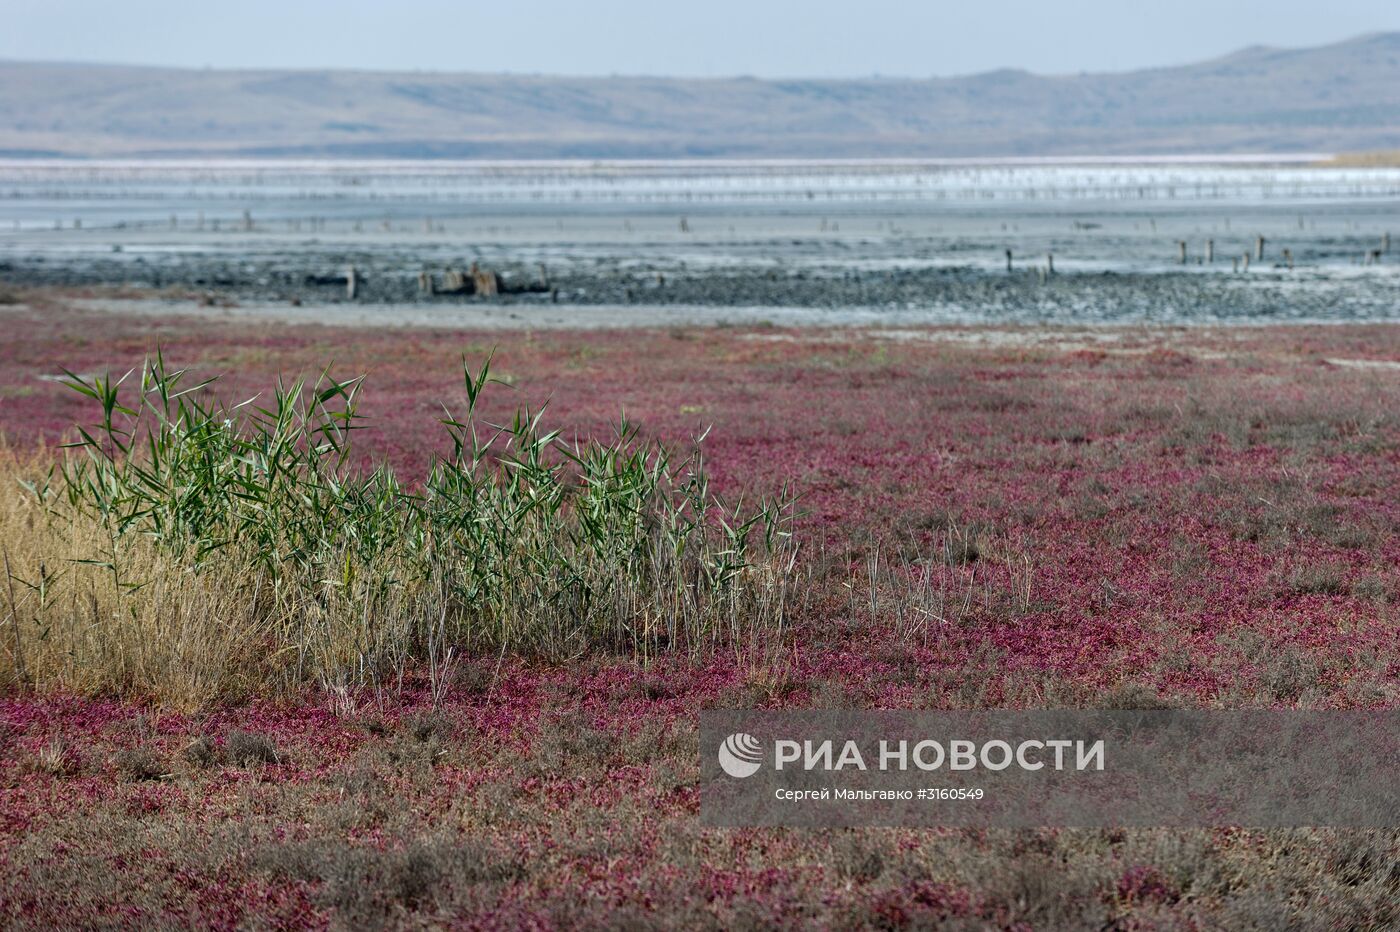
(695, 37)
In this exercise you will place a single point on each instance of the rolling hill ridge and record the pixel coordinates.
(1332, 98)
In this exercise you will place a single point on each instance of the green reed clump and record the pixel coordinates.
(518, 540)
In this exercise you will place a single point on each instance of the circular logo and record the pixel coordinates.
(740, 755)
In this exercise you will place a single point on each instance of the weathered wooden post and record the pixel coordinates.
(1246, 262)
(1210, 252)
(1259, 248)
(425, 283)
(1050, 263)
(484, 281)
(1181, 251)
(352, 283)
(1008, 261)
(1288, 258)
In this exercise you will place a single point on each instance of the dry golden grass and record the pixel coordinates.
(184, 636)
(1387, 158)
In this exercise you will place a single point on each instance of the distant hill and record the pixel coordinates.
(1332, 98)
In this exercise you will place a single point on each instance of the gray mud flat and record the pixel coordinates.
(611, 294)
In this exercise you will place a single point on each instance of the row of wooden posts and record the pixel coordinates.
(1370, 257)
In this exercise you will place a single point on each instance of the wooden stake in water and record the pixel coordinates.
(1181, 251)
(1008, 261)
(1050, 263)
(1210, 252)
(1246, 262)
(1288, 258)
(352, 282)
(1259, 248)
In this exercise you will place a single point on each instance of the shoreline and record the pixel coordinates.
(591, 317)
